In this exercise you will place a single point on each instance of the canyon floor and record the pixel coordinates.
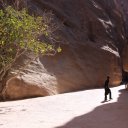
(83, 109)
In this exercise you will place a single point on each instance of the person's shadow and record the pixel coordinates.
(110, 115)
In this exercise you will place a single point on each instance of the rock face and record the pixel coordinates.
(33, 81)
(123, 5)
(125, 58)
(94, 39)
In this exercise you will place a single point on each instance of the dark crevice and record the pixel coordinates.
(124, 77)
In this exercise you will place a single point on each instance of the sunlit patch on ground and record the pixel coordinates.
(82, 109)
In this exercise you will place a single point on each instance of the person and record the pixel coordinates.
(107, 89)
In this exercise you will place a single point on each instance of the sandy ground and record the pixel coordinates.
(83, 109)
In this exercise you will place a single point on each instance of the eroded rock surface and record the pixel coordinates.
(93, 43)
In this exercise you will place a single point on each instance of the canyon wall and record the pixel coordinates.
(94, 46)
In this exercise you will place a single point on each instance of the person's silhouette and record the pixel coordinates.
(107, 89)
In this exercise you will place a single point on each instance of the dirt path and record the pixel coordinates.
(72, 110)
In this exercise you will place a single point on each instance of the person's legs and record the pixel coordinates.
(105, 95)
(110, 94)
(126, 86)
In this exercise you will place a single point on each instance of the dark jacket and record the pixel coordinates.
(107, 90)
(106, 84)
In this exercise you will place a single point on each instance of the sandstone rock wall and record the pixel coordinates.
(93, 42)
(125, 58)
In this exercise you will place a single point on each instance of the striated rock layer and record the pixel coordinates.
(93, 46)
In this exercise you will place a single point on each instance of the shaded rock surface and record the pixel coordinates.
(94, 37)
(125, 58)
